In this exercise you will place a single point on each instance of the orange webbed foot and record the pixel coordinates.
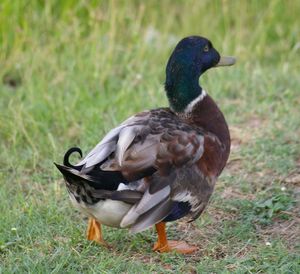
(94, 233)
(163, 245)
(177, 246)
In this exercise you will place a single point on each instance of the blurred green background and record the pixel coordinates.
(70, 70)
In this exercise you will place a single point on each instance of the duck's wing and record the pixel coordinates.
(155, 140)
(149, 145)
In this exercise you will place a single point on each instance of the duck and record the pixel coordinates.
(160, 165)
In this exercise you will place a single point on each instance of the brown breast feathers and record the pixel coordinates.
(207, 116)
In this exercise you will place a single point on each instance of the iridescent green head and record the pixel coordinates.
(191, 57)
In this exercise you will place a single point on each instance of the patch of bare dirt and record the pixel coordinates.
(293, 178)
(239, 136)
(256, 122)
(245, 133)
(200, 237)
(287, 230)
(234, 165)
(234, 193)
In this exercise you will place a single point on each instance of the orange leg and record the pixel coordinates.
(94, 232)
(163, 245)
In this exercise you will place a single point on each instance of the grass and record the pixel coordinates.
(70, 70)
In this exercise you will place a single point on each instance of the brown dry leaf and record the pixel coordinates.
(293, 179)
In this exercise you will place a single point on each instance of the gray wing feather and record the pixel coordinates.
(103, 149)
(127, 196)
(153, 216)
(126, 137)
(102, 153)
(107, 145)
(146, 203)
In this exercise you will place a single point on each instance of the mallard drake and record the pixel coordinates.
(159, 165)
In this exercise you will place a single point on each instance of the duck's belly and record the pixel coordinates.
(107, 212)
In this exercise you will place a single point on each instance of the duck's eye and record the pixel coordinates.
(206, 48)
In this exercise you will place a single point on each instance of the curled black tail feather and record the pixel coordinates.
(67, 156)
(95, 177)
